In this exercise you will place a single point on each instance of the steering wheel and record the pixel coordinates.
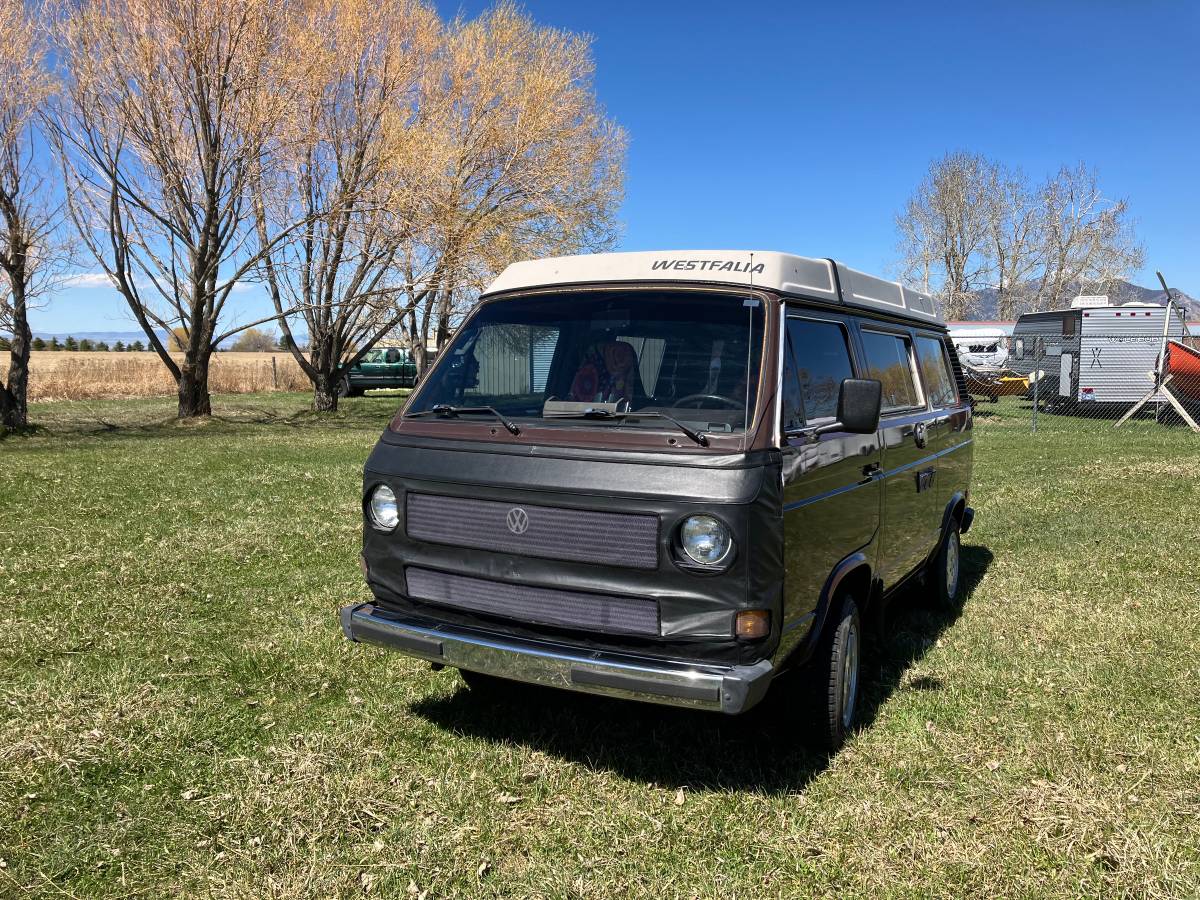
(733, 404)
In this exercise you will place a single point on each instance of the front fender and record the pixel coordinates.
(855, 565)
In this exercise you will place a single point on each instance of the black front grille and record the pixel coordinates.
(538, 606)
(580, 535)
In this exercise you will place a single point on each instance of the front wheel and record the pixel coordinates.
(836, 674)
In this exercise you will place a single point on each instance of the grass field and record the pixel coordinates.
(92, 375)
(181, 715)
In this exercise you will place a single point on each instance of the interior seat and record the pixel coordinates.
(608, 372)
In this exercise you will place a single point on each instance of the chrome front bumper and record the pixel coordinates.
(728, 689)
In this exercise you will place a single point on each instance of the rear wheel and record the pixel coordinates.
(946, 572)
(836, 677)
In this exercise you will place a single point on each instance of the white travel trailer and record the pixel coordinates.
(1094, 354)
(983, 347)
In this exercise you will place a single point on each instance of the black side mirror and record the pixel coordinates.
(859, 403)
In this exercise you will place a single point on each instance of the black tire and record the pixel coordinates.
(945, 572)
(837, 678)
(344, 389)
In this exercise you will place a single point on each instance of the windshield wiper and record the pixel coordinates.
(446, 411)
(599, 412)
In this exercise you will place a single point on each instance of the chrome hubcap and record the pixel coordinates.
(952, 566)
(850, 676)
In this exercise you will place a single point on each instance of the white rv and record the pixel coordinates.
(1094, 353)
(983, 347)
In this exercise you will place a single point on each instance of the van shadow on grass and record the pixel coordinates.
(762, 751)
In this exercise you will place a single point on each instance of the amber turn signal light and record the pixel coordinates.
(752, 623)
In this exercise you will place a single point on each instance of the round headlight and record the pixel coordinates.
(705, 539)
(385, 514)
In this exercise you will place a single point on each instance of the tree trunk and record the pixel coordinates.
(194, 400)
(325, 393)
(14, 409)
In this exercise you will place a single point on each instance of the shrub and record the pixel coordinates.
(253, 340)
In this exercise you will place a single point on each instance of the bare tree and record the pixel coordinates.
(974, 223)
(30, 253)
(254, 340)
(345, 170)
(521, 161)
(166, 107)
(1087, 241)
(944, 230)
(1016, 238)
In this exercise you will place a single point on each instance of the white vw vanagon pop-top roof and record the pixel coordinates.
(823, 279)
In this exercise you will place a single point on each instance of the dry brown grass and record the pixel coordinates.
(64, 375)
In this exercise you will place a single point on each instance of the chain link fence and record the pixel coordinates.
(1053, 376)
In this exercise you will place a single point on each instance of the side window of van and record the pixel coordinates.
(889, 359)
(935, 372)
(822, 360)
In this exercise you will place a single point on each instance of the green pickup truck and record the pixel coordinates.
(384, 367)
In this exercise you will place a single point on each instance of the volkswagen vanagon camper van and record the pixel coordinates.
(670, 477)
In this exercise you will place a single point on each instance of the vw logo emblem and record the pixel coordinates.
(518, 520)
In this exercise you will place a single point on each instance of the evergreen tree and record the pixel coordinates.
(119, 346)
(86, 345)
(137, 346)
(70, 343)
(54, 344)
(38, 344)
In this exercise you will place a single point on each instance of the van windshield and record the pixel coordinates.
(693, 356)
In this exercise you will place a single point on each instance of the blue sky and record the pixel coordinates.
(804, 127)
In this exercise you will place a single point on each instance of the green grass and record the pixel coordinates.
(179, 714)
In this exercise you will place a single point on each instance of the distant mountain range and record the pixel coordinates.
(1124, 292)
